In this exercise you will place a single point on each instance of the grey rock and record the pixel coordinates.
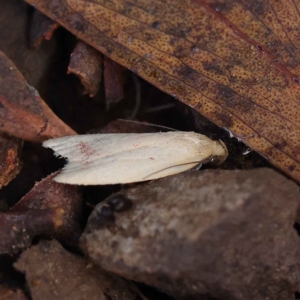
(218, 233)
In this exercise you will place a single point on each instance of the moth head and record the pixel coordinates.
(219, 152)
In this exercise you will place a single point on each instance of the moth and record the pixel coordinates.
(99, 159)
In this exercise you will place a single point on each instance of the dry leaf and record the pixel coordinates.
(235, 62)
(86, 63)
(23, 113)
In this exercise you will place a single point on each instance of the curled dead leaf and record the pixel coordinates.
(50, 194)
(23, 113)
(86, 63)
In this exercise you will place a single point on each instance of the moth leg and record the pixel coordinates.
(198, 167)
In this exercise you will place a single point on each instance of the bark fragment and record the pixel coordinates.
(10, 166)
(19, 228)
(226, 234)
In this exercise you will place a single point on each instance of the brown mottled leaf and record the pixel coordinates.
(23, 113)
(50, 194)
(86, 63)
(41, 28)
(113, 81)
(235, 62)
(10, 149)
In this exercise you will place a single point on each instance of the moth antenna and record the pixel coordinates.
(192, 162)
(159, 108)
(198, 167)
(148, 124)
(137, 105)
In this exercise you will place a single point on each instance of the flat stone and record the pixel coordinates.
(224, 234)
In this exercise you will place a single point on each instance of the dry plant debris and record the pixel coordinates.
(19, 228)
(113, 81)
(10, 294)
(86, 63)
(41, 28)
(14, 21)
(54, 273)
(208, 234)
(235, 62)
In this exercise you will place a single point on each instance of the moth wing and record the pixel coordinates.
(100, 159)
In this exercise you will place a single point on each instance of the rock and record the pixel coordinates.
(218, 233)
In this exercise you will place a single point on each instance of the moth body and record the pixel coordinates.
(99, 159)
